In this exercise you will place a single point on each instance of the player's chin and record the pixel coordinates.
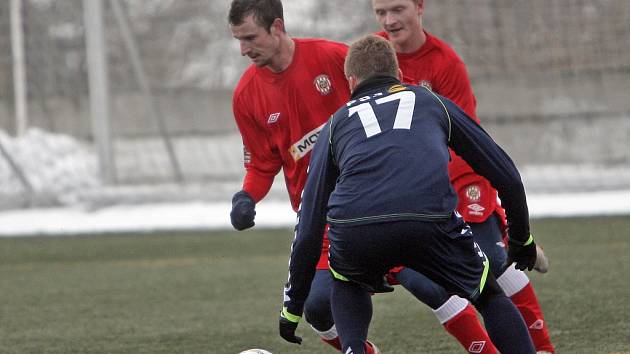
(398, 36)
(259, 61)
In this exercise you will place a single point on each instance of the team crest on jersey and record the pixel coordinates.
(322, 84)
(473, 192)
(426, 83)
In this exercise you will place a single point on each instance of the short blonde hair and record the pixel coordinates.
(371, 56)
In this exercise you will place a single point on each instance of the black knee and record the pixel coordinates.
(317, 310)
(490, 290)
(423, 288)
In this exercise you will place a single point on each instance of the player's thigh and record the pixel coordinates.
(319, 296)
(363, 253)
(451, 258)
(423, 288)
(489, 237)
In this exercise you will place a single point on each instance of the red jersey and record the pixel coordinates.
(281, 114)
(437, 66)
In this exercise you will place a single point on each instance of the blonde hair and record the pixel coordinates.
(371, 56)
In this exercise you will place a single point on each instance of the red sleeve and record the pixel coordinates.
(261, 160)
(455, 85)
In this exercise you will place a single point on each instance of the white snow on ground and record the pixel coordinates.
(56, 166)
(137, 219)
(64, 171)
(269, 214)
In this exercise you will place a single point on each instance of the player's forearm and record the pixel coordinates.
(489, 160)
(257, 184)
(514, 201)
(499, 169)
(305, 253)
(309, 234)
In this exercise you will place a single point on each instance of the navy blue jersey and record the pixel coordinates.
(383, 157)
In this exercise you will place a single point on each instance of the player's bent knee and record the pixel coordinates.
(491, 290)
(317, 311)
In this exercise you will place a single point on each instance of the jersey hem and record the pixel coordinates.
(390, 217)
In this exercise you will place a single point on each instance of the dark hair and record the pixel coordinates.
(371, 56)
(264, 11)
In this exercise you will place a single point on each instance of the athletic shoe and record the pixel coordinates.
(542, 263)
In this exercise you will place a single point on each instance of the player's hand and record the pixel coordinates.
(524, 255)
(287, 330)
(243, 211)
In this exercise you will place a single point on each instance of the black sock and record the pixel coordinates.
(352, 312)
(505, 325)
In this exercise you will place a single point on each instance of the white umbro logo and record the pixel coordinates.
(477, 346)
(539, 324)
(476, 207)
(273, 118)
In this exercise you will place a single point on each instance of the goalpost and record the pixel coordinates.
(19, 71)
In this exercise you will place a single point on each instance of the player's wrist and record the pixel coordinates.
(242, 195)
(525, 241)
(289, 316)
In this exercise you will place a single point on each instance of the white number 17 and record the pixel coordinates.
(403, 114)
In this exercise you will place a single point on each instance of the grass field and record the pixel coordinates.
(221, 292)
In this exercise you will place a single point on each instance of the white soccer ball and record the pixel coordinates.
(255, 351)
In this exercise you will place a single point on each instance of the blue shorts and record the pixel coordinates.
(444, 251)
(489, 237)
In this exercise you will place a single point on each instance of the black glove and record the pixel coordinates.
(523, 254)
(287, 330)
(243, 211)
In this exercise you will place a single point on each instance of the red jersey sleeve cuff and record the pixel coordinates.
(257, 186)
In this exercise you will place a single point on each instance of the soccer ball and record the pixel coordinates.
(255, 351)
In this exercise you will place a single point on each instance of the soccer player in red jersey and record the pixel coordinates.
(280, 104)
(426, 60)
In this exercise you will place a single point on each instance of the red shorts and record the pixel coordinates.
(478, 200)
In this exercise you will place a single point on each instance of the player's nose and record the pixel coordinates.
(245, 48)
(389, 19)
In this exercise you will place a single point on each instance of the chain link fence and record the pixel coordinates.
(551, 80)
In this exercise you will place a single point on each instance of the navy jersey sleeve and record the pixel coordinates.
(473, 144)
(307, 244)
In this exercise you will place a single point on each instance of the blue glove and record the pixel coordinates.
(523, 254)
(243, 211)
(287, 325)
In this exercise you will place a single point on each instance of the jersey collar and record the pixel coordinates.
(372, 83)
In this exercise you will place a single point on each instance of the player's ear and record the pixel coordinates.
(400, 75)
(277, 26)
(352, 82)
(420, 7)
